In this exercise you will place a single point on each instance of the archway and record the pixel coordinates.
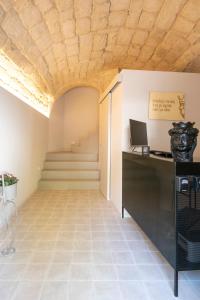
(74, 119)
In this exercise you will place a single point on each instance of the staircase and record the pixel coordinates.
(86, 144)
(68, 170)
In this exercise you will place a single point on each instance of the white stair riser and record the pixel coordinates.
(71, 156)
(56, 174)
(69, 185)
(70, 165)
(65, 171)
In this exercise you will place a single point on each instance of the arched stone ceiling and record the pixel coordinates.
(59, 44)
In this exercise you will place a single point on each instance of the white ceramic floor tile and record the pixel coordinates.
(107, 290)
(99, 235)
(105, 272)
(102, 257)
(41, 257)
(124, 257)
(143, 257)
(168, 273)
(139, 245)
(119, 246)
(73, 245)
(158, 258)
(101, 245)
(128, 272)
(133, 290)
(150, 273)
(62, 257)
(35, 272)
(7, 289)
(159, 290)
(81, 272)
(193, 275)
(28, 290)
(12, 271)
(133, 235)
(81, 245)
(18, 257)
(82, 257)
(115, 236)
(57, 272)
(54, 291)
(81, 290)
(65, 245)
(187, 291)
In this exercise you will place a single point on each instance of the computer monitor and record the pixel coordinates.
(138, 133)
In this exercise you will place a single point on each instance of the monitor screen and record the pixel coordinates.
(138, 133)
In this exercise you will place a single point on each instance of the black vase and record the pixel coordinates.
(183, 141)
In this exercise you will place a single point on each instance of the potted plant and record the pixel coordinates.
(9, 182)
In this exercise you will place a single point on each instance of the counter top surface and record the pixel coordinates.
(196, 159)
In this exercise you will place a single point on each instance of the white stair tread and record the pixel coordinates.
(71, 170)
(66, 180)
(70, 152)
(73, 161)
(68, 170)
(71, 156)
(70, 165)
(74, 174)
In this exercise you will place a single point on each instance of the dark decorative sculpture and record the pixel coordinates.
(183, 141)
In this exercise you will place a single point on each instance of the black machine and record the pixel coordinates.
(187, 219)
(163, 197)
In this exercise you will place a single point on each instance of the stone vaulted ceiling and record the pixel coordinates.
(54, 45)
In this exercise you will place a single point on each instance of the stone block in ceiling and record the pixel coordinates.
(59, 44)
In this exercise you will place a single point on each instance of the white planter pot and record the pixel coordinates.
(10, 192)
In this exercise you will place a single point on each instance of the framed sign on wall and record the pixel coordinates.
(166, 106)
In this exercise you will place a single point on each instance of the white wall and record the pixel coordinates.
(116, 147)
(74, 121)
(56, 126)
(81, 118)
(130, 100)
(23, 138)
(136, 88)
(105, 144)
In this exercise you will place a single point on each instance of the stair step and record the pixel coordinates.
(67, 170)
(70, 165)
(55, 184)
(70, 156)
(70, 174)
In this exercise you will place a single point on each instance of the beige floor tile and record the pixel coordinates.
(12, 271)
(62, 256)
(81, 290)
(136, 288)
(58, 272)
(128, 272)
(35, 272)
(108, 290)
(7, 289)
(42, 257)
(102, 257)
(28, 291)
(105, 272)
(73, 245)
(54, 291)
(124, 257)
(82, 257)
(81, 272)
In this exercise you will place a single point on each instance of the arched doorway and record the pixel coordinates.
(74, 121)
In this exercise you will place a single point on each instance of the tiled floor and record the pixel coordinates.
(73, 245)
